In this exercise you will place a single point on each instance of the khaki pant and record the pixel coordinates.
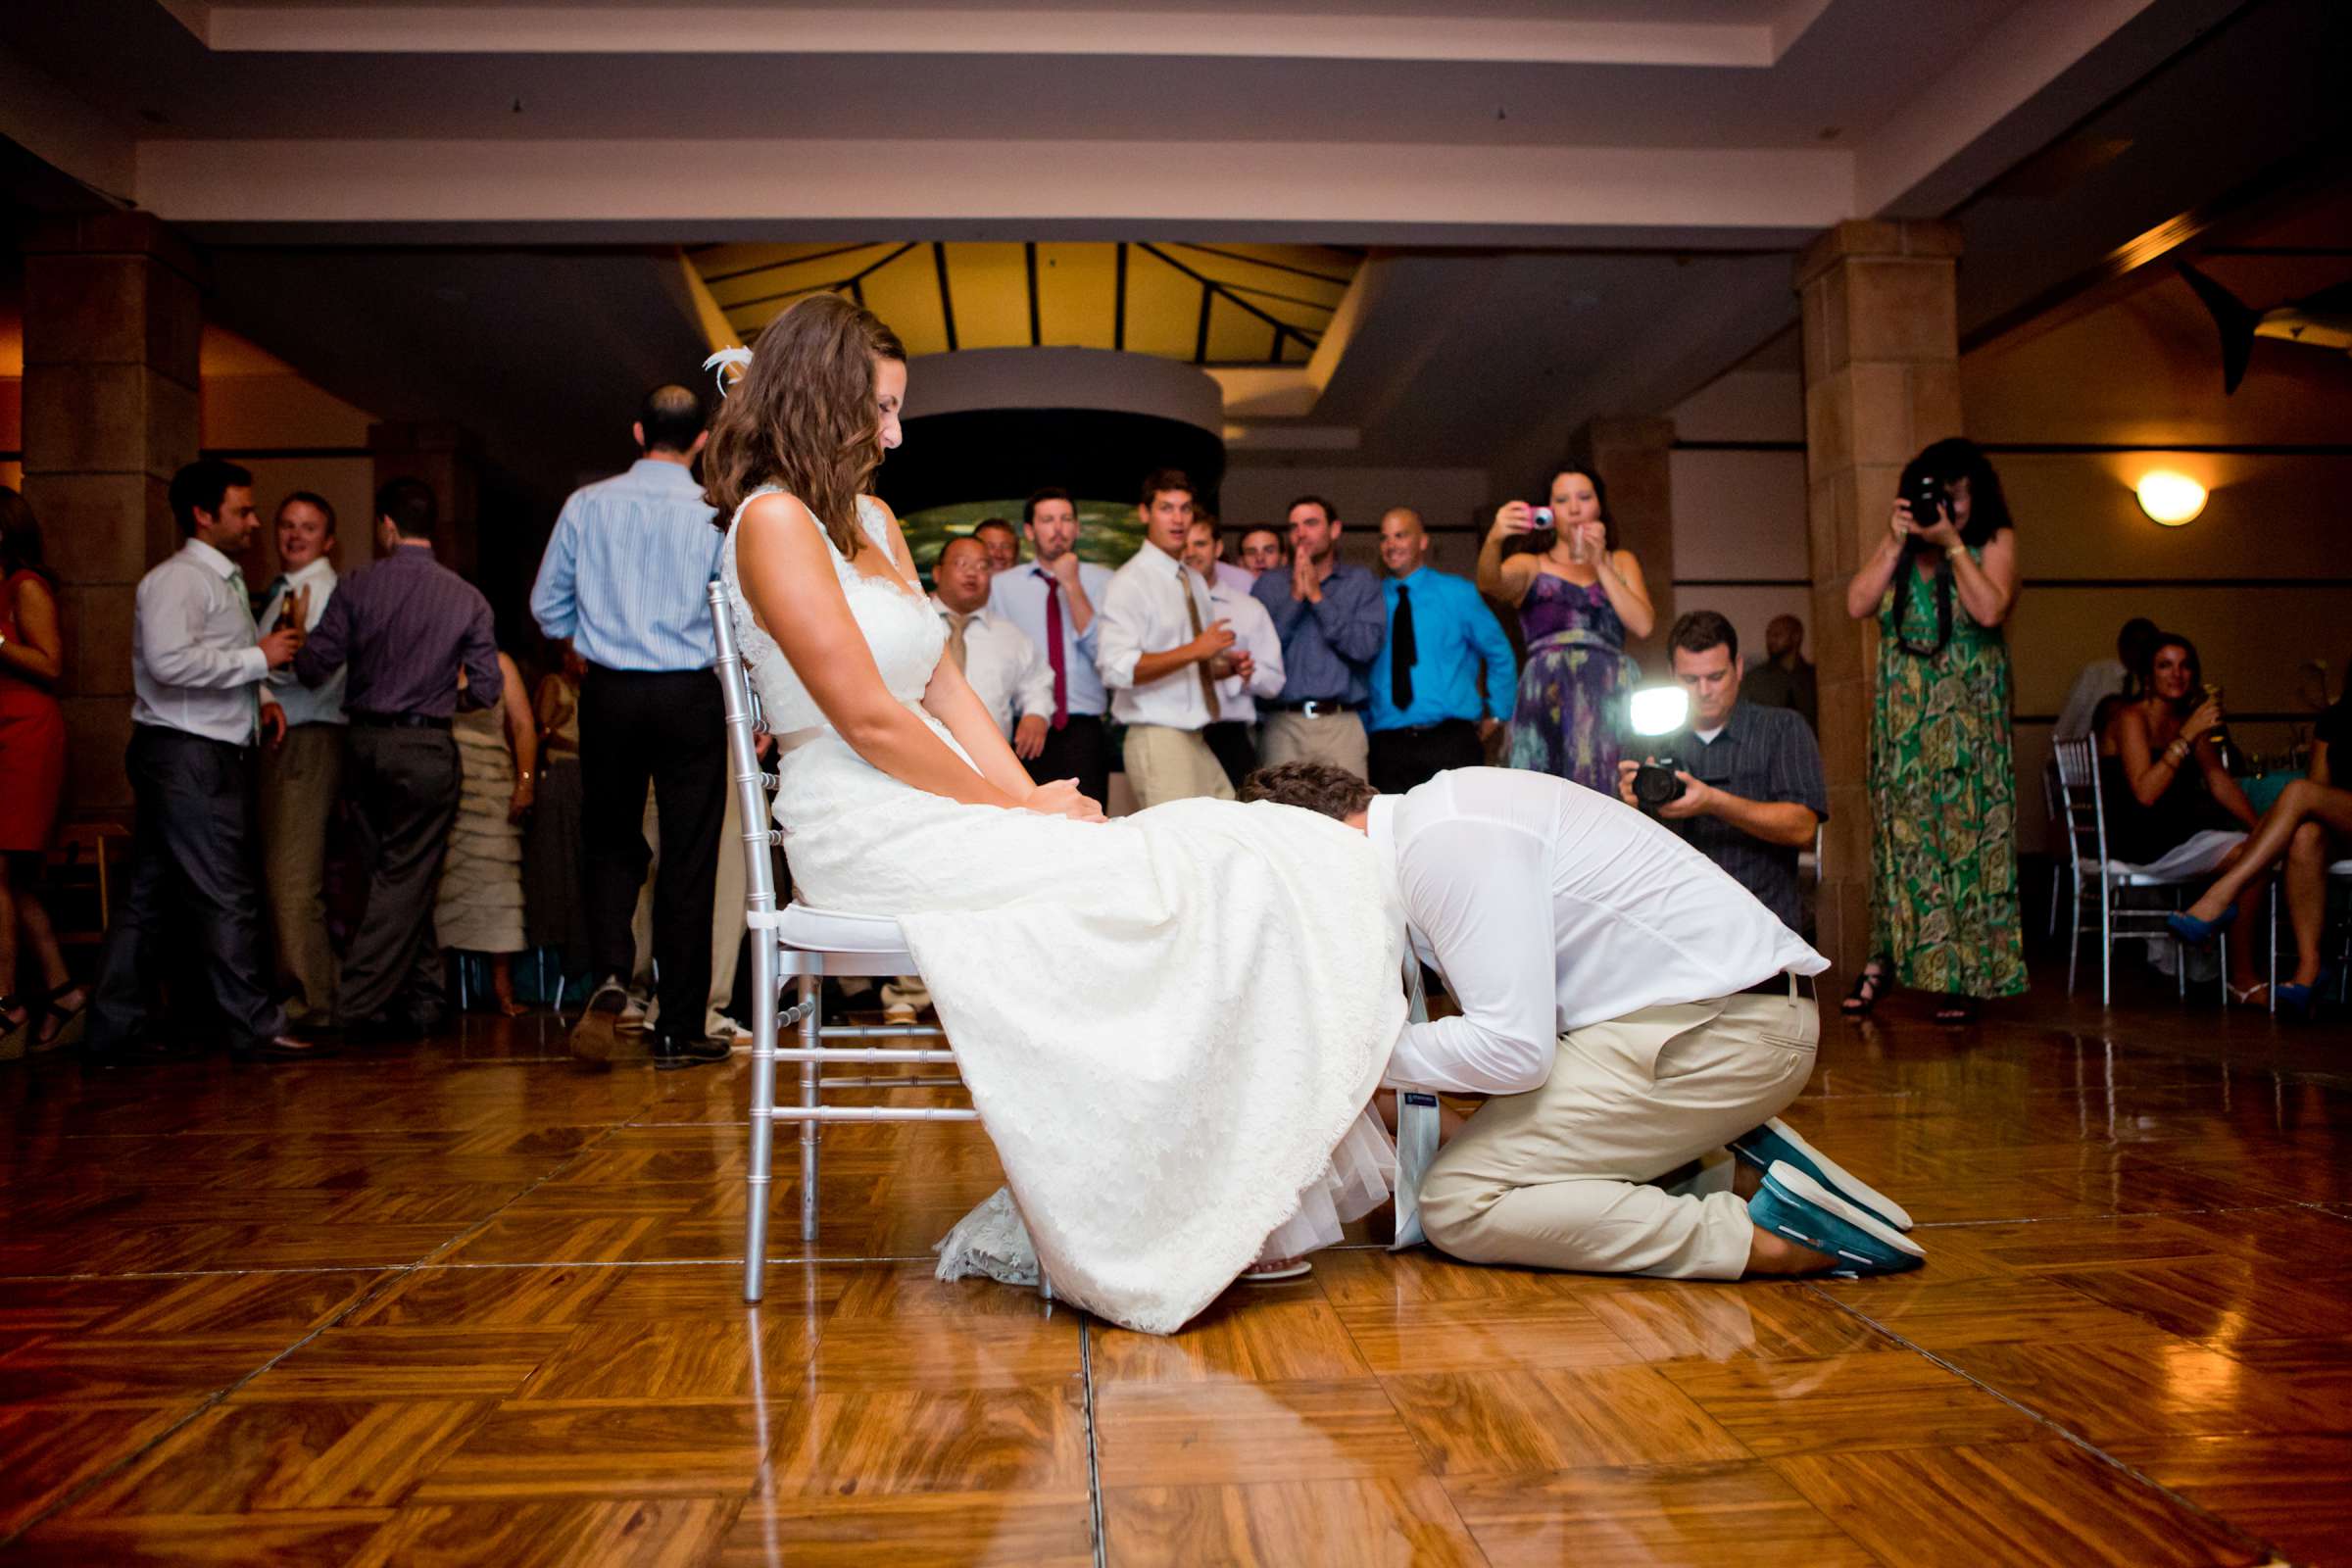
(1172, 765)
(1336, 739)
(299, 783)
(1557, 1177)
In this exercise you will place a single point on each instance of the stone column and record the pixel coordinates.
(446, 457)
(1634, 458)
(113, 320)
(1882, 380)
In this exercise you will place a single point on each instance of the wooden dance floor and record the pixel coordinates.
(465, 1304)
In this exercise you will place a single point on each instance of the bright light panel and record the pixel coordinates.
(2170, 499)
(1660, 709)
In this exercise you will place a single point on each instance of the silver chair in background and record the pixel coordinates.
(2083, 810)
(804, 944)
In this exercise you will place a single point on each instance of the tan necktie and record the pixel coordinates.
(1192, 607)
(955, 629)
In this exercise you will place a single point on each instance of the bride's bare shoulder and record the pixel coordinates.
(782, 506)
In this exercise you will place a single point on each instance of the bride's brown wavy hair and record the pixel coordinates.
(802, 415)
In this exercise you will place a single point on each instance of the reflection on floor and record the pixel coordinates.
(462, 1304)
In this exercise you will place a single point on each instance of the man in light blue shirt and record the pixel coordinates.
(1428, 711)
(1054, 598)
(627, 577)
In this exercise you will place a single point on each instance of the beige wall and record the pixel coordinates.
(1739, 502)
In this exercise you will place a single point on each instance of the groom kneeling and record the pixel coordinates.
(1630, 1008)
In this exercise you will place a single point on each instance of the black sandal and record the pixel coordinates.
(71, 1021)
(14, 1036)
(1867, 987)
(1957, 1009)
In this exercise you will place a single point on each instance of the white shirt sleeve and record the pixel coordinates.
(1481, 893)
(172, 610)
(1122, 620)
(1265, 649)
(1032, 676)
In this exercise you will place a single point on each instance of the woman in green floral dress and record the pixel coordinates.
(1944, 901)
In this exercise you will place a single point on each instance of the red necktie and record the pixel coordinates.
(1054, 655)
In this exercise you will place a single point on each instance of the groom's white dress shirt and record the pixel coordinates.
(1547, 907)
(1005, 670)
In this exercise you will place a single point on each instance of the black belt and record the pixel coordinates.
(1430, 730)
(397, 721)
(1776, 985)
(1314, 707)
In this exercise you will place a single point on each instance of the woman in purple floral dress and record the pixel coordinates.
(1579, 598)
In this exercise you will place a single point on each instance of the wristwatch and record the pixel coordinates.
(1955, 552)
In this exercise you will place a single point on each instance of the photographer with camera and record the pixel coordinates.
(1742, 783)
(1942, 791)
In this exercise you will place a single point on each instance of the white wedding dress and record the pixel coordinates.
(1170, 1024)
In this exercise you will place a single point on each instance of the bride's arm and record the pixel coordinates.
(788, 578)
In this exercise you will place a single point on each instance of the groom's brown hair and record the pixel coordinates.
(1313, 786)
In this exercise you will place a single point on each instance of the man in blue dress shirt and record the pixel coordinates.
(1329, 616)
(627, 577)
(1445, 678)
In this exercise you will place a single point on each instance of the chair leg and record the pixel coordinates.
(811, 1037)
(761, 1175)
(2074, 936)
(2222, 954)
(2270, 990)
(2106, 942)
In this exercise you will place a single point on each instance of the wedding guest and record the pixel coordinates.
(1054, 601)
(1162, 652)
(2171, 802)
(1579, 598)
(1003, 545)
(32, 772)
(1754, 790)
(403, 628)
(1785, 678)
(1205, 553)
(1444, 678)
(1263, 551)
(553, 880)
(1256, 675)
(2099, 683)
(199, 707)
(1942, 792)
(627, 577)
(1007, 672)
(1631, 1010)
(2308, 828)
(302, 775)
(479, 907)
(1331, 620)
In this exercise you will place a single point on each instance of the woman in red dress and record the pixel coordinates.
(32, 772)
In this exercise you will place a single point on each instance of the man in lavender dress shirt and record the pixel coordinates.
(403, 626)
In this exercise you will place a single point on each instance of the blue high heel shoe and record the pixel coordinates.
(2199, 933)
(2297, 1001)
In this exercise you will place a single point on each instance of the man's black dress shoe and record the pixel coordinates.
(670, 1054)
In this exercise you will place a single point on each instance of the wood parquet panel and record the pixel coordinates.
(462, 1304)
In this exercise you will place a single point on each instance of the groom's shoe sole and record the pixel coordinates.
(1275, 1276)
(1777, 1139)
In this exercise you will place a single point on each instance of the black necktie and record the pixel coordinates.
(1402, 651)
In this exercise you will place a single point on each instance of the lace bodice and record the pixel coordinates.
(904, 632)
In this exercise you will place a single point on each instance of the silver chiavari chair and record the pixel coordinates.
(792, 941)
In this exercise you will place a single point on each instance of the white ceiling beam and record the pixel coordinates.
(889, 31)
(890, 185)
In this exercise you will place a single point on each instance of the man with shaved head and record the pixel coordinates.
(1444, 677)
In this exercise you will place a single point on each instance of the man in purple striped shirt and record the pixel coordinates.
(405, 625)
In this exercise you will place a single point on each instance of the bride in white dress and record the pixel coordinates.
(1171, 1024)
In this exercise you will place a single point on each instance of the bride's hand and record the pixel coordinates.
(1062, 799)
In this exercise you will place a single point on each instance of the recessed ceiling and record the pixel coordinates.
(1226, 306)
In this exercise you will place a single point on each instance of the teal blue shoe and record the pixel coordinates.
(2186, 927)
(1776, 1140)
(1793, 1205)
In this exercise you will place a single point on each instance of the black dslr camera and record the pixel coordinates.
(1655, 785)
(1928, 502)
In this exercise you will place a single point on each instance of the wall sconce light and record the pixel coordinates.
(2170, 499)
